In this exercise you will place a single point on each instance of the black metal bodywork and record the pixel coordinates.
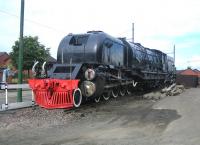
(95, 47)
(99, 48)
(117, 62)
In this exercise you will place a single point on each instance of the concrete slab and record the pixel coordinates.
(12, 96)
(16, 105)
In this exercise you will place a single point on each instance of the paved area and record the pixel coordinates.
(12, 96)
(123, 121)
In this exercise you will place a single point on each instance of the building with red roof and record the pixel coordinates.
(188, 77)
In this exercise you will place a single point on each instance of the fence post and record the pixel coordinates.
(6, 91)
(33, 101)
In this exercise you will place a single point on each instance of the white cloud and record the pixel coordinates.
(194, 62)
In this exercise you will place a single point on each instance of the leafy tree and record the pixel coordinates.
(33, 51)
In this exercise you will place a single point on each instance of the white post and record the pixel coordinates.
(33, 100)
(4, 77)
(6, 91)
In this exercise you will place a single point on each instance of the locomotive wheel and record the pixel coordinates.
(77, 97)
(122, 92)
(106, 96)
(115, 92)
(97, 99)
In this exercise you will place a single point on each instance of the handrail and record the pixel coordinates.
(6, 87)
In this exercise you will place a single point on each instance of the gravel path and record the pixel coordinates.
(123, 121)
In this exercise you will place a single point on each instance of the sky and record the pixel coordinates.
(159, 24)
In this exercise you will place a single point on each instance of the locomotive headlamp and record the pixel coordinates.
(89, 88)
(89, 74)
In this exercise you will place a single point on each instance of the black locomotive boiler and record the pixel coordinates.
(106, 66)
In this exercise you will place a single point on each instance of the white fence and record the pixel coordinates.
(6, 87)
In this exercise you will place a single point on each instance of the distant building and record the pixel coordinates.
(188, 77)
(4, 59)
(51, 59)
(189, 71)
(197, 72)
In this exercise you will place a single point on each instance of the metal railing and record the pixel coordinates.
(6, 87)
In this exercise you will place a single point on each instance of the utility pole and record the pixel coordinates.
(174, 53)
(132, 32)
(21, 49)
(174, 61)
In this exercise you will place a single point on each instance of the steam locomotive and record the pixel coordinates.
(97, 66)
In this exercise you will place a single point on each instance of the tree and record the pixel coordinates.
(33, 51)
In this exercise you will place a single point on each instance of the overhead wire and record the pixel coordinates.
(33, 22)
